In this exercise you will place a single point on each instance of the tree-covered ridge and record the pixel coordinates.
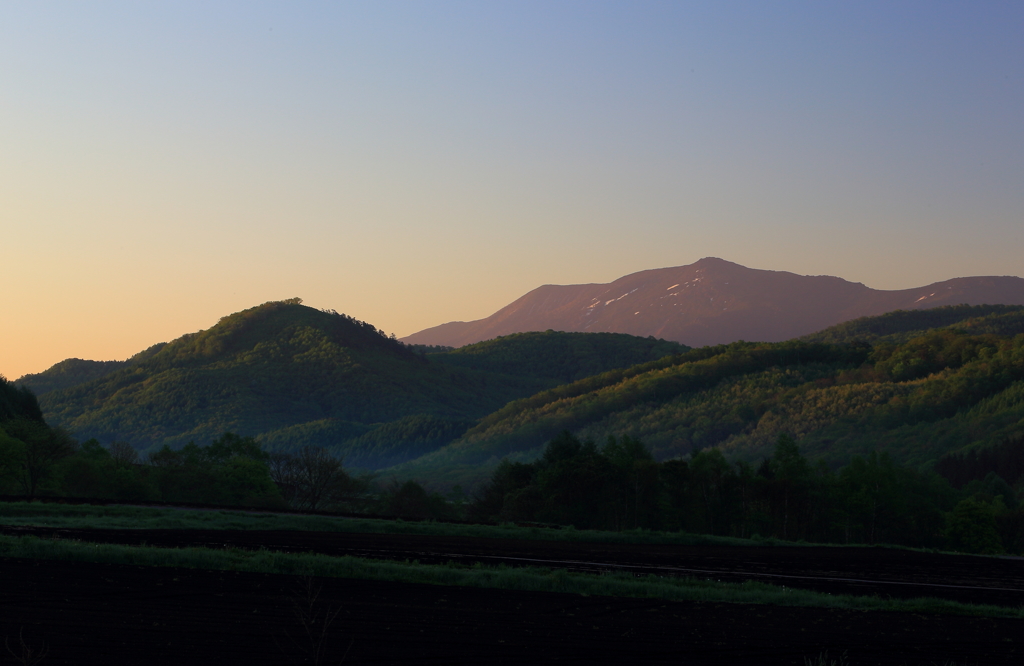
(68, 373)
(75, 371)
(272, 367)
(902, 325)
(918, 400)
(527, 423)
(565, 357)
(251, 335)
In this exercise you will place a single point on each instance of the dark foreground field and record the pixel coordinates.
(117, 614)
(885, 572)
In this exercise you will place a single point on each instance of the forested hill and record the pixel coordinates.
(917, 400)
(294, 376)
(564, 357)
(902, 325)
(274, 366)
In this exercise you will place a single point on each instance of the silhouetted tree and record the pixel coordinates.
(123, 454)
(972, 527)
(41, 449)
(313, 479)
(411, 500)
(791, 480)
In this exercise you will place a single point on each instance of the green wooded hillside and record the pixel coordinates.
(75, 371)
(565, 357)
(271, 367)
(370, 446)
(902, 325)
(917, 400)
(295, 376)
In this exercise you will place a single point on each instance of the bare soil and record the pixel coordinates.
(117, 614)
(886, 572)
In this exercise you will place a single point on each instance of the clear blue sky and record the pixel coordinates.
(164, 164)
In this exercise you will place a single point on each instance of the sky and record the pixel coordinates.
(164, 164)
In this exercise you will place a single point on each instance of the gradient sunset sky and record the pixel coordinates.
(165, 164)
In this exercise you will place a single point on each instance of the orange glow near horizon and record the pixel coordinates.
(409, 165)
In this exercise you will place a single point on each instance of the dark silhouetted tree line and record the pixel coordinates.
(870, 500)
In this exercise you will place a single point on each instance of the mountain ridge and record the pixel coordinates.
(714, 301)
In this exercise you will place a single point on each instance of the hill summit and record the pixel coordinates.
(278, 365)
(714, 301)
(294, 376)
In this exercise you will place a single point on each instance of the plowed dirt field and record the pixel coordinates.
(886, 572)
(115, 614)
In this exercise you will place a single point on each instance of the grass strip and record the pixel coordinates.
(532, 579)
(83, 516)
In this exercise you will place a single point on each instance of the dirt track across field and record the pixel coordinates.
(885, 572)
(118, 614)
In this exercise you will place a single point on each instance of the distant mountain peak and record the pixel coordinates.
(713, 301)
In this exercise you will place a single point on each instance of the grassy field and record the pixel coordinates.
(135, 517)
(528, 579)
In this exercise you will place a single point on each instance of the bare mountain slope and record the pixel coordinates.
(714, 301)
